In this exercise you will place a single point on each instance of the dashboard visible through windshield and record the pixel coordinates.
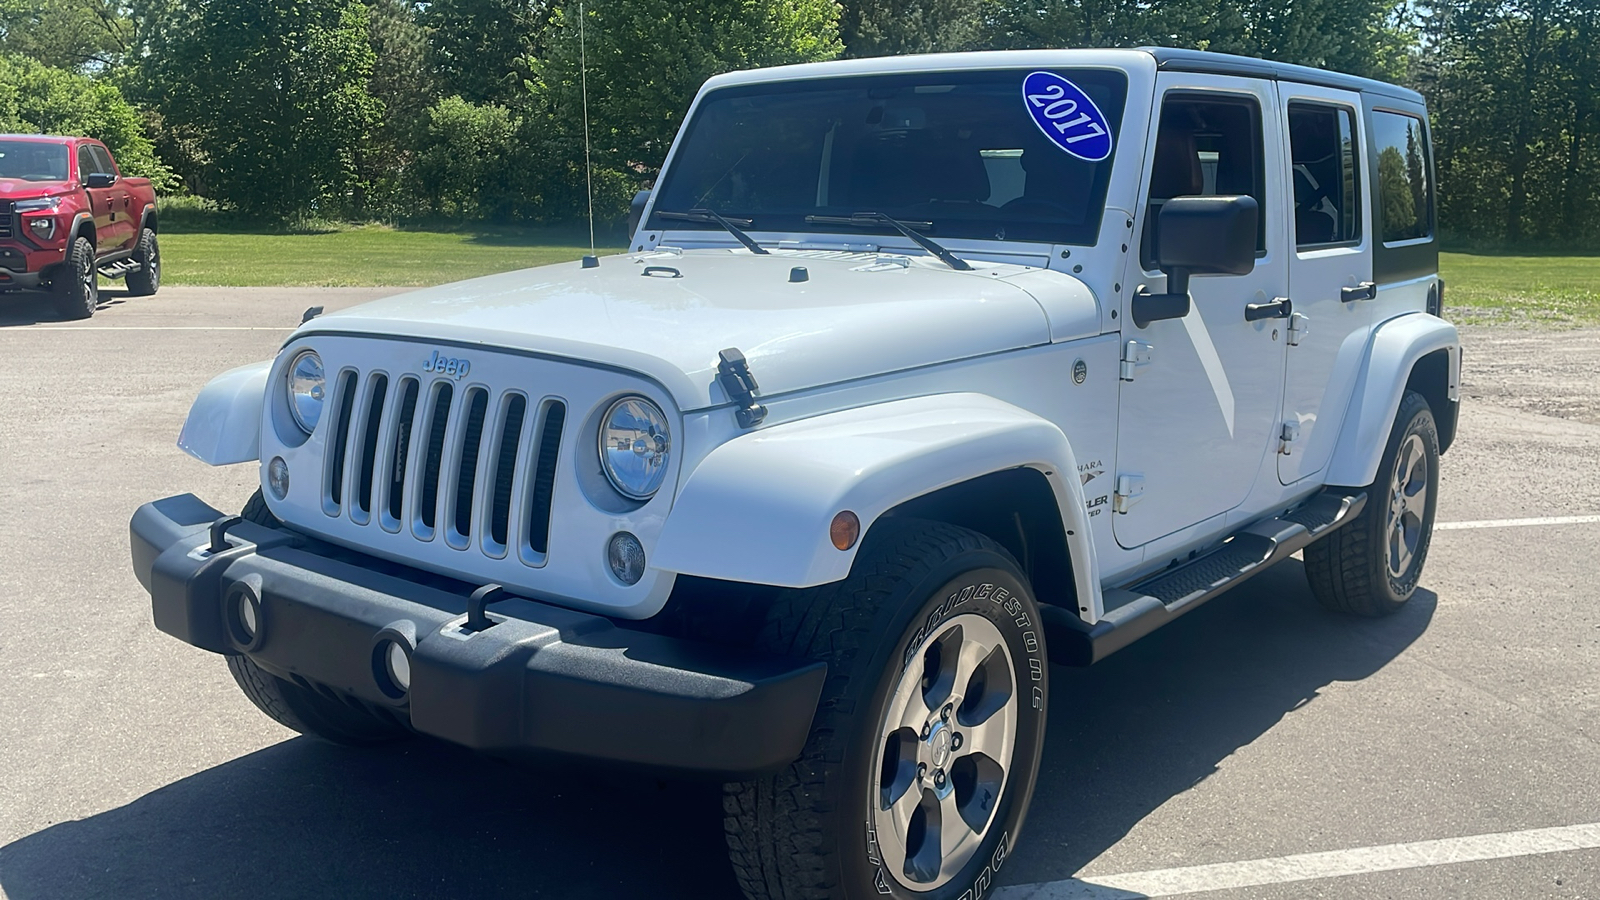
(952, 154)
(33, 160)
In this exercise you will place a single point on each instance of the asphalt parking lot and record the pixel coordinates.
(1452, 751)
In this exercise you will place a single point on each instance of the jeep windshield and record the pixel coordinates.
(953, 154)
(33, 161)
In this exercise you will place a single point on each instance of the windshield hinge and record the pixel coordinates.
(733, 373)
(1135, 356)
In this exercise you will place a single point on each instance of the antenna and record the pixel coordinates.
(592, 260)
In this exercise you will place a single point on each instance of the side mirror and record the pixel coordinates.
(101, 179)
(1198, 236)
(636, 212)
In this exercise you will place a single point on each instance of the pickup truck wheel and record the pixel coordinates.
(1371, 566)
(926, 742)
(312, 712)
(145, 280)
(77, 285)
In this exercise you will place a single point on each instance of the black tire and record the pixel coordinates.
(311, 713)
(145, 280)
(77, 285)
(298, 707)
(807, 832)
(1358, 569)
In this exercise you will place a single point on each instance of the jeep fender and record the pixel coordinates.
(757, 509)
(224, 424)
(1395, 348)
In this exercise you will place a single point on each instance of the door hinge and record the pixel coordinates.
(1135, 356)
(1299, 327)
(1289, 434)
(1130, 489)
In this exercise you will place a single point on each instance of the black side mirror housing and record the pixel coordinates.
(636, 212)
(101, 179)
(1198, 236)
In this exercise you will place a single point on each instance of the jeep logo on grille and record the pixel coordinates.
(448, 366)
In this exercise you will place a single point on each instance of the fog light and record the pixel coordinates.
(248, 623)
(44, 228)
(626, 557)
(278, 477)
(397, 664)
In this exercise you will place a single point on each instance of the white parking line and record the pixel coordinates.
(1516, 523)
(1310, 866)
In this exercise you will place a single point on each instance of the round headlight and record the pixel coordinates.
(635, 444)
(307, 388)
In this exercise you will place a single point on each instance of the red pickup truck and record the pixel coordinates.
(69, 216)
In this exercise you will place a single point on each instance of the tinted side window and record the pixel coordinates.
(1404, 194)
(102, 161)
(1327, 205)
(1205, 146)
(85, 163)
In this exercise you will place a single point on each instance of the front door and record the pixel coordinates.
(1198, 422)
(1330, 272)
(101, 201)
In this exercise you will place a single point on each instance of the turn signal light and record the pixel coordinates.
(845, 530)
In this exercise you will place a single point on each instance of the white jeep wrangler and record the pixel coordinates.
(920, 373)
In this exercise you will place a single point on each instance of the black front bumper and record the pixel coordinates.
(543, 679)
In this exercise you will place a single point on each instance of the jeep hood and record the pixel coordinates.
(666, 315)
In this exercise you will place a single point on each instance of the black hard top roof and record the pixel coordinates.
(1175, 60)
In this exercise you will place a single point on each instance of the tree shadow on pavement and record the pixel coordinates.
(426, 820)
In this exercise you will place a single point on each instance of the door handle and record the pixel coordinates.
(1279, 308)
(1366, 290)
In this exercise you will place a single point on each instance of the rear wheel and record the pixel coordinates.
(145, 280)
(77, 284)
(1371, 566)
(312, 712)
(926, 743)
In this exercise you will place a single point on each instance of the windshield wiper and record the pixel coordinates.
(732, 225)
(868, 219)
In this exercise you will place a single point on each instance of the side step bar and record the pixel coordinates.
(1135, 611)
(118, 268)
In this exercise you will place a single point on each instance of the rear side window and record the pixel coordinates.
(1206, 145)
(1405, 196)
(1327, 204)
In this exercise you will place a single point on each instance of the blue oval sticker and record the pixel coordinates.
(1067, 116)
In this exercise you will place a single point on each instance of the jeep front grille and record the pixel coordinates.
(443, 464)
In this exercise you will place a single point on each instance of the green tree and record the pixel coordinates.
(483, 49)
(892, 27)
(35, 98)
(648, 58)
(76, 35)
(275, 94)
(1363, 37)
(404, 81)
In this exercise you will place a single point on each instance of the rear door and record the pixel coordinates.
(1196, 423)
(1330, 271)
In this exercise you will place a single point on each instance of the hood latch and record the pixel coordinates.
(733, 373)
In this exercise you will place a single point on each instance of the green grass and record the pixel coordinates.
(1483, 289)
(370, 255)
(1521, 290)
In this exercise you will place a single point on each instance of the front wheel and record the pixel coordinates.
(926, 743)
(77, 284)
